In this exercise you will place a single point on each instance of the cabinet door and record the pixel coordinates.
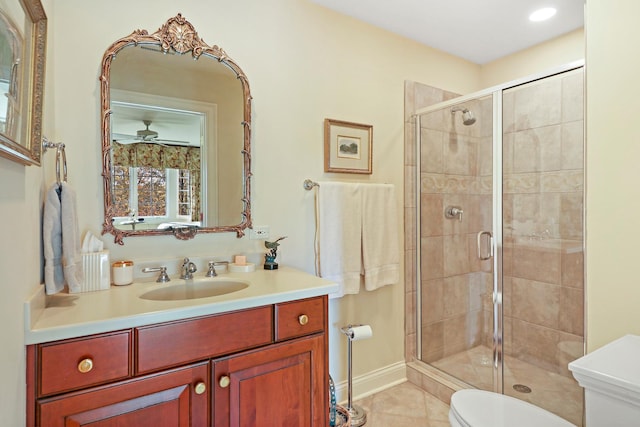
(281, 386)
(177, 398)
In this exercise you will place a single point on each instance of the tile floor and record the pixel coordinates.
(404, 405)
(408, 405)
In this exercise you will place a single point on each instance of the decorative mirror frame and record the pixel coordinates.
(179, 35)
(30, 152)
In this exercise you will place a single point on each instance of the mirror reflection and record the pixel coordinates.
(175, 136)
(11, 58)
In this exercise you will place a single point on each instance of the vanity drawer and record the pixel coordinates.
(80, 363)
(177, 343)
(299, 318)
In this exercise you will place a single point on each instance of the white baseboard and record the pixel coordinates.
(372, 382)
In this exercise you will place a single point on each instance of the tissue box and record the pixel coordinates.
(96, 269)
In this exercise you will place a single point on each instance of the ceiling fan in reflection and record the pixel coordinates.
(145, 135)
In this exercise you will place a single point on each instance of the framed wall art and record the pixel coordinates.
(347, 147)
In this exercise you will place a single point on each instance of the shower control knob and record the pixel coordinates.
(452, 212)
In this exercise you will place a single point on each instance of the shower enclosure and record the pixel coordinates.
(498, 265)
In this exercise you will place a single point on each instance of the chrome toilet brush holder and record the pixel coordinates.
(357, 414)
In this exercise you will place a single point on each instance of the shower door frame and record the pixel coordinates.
(496, 92)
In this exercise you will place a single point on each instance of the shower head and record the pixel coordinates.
(467, 116)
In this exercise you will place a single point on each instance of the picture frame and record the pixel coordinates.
(23, 31)
(347, 147)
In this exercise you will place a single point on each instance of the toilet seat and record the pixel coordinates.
(479, 408)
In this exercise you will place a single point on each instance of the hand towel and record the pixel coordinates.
(339, 237)
(70, 238)
(380, 251)
(52, 242)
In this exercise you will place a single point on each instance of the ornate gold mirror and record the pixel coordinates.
(23, 36)
(176, 136)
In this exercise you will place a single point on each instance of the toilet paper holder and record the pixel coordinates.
(354, 333)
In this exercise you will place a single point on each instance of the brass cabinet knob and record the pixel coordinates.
(224, 381)
(85, 365)
(303, 319)
(200, 388)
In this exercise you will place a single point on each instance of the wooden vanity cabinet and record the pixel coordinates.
(178, 398)
(264, 366)
(283, 385)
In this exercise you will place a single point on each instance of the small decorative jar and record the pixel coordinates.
(122, 273)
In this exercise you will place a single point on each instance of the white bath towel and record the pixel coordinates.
(339, 237)
(52, 241)
(71, 239)
(380, 251)
(61, 243)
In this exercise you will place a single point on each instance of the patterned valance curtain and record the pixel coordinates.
(156, 156)
(163, 157)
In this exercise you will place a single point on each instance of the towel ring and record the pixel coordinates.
(61, 158)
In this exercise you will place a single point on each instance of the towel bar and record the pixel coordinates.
(308, 184)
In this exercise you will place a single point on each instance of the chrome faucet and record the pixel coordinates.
(212, 267)
(187, 270)
(162, 278)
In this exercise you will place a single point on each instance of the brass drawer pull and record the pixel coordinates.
(200, 388)
(303, 319)
(85, 365)
(224, 381)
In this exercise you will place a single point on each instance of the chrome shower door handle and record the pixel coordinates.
(489, 245)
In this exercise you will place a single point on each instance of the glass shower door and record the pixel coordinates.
(456, 286)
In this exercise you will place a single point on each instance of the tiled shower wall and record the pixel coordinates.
(543, 186)
(543, 221)
(455, 171)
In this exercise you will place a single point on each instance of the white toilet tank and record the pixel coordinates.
(611, 379)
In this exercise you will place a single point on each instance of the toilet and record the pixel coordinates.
(611, 379)
(479, 408)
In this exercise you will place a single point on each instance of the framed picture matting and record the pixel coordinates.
(347, 147)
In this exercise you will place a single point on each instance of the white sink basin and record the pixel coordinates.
(194, 290)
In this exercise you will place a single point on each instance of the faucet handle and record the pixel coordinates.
(212, 269)
(163, 277)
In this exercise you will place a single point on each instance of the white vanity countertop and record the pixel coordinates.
(61, 316)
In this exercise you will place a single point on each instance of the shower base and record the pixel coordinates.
(553, 392)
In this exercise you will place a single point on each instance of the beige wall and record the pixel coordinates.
(613, 150)
(538, 59)
(304, 64)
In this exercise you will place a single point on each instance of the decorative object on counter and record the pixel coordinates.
(347, 147)
(60, 236)
(354, 333)
(95, 265)
(270, 257)
(122, 273)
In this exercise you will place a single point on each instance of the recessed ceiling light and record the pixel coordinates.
(542, 14)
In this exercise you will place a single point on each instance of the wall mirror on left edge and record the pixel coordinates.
(23, 39)
(176, 136)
